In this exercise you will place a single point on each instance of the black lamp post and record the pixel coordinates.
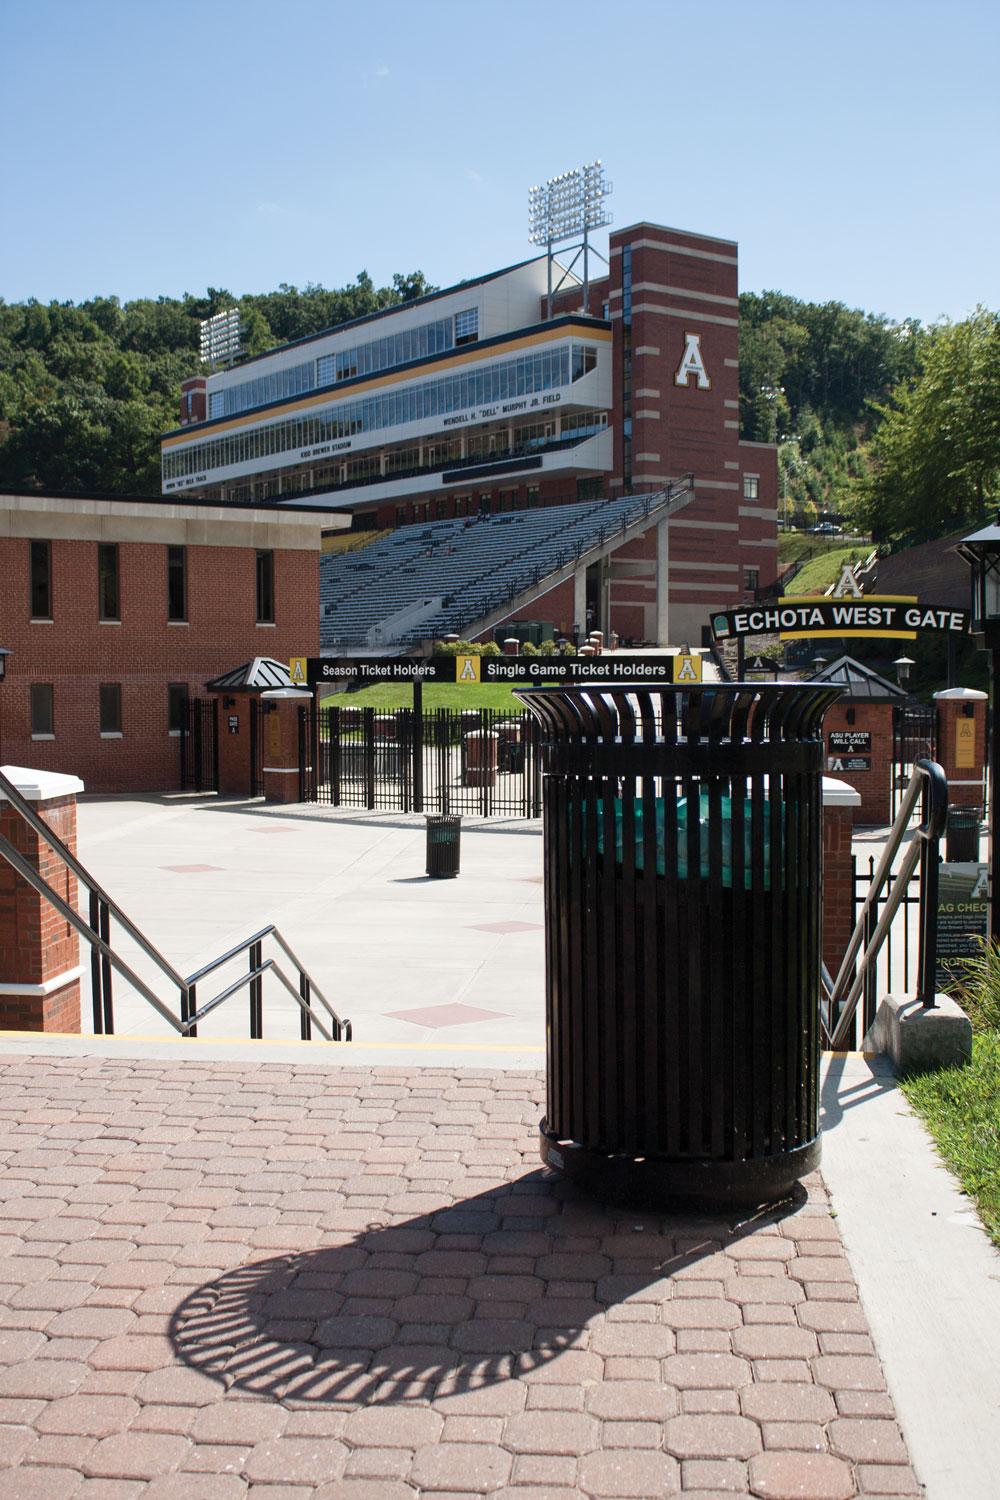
(981, 551)
(904, 666)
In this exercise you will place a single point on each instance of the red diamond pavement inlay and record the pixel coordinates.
(505, 926)
(190, 869)
(445, 1015)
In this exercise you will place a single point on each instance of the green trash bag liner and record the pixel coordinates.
(659, 818)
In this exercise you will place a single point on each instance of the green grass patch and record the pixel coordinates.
(385, 697)
(793, 545)
(819, 572)
(961, 1109)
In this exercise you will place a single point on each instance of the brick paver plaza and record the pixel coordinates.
(302, 1283)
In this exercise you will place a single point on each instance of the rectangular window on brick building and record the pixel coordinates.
(42, 719)
(40, 564)
(176, 583)
(108, 604)
(751, 580)
(177, 700)
(265, 588)
(111, 708)
(751, 486)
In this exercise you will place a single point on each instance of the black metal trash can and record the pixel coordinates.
(682, 894)
(962, 836)
(444, 842)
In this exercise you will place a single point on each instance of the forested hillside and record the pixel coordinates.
(895, 424)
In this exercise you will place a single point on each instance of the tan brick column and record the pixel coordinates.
(39, 951)
(281, 742)
(961, 743)
(839, 804)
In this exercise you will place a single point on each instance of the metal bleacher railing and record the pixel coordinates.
(104, 958)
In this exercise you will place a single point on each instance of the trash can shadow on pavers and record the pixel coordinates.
(682, 911)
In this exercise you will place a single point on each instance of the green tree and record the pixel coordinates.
(936, 453)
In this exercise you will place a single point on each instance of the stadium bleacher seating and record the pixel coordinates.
(462, 569)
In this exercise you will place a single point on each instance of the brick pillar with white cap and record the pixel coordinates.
(39, 950)
(281, 742)
(961, 743)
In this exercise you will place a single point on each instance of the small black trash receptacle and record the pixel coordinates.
(444, 842)
(683, 837)
(962, 837)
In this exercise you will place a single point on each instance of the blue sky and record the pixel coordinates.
(153, 148)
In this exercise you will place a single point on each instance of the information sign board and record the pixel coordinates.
(962, 920)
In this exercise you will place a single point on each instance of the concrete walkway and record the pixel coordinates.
(340, 1271)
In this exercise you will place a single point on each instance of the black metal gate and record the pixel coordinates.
(895, 970)
(256, 749)
(200, 745)
(483, 761)
(914, 737)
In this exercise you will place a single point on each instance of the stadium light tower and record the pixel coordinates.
(565, 208)
(221, 341)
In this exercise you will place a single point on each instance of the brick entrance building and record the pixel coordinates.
(118, 611)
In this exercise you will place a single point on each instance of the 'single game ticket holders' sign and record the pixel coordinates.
(365, 671)
(898, 616)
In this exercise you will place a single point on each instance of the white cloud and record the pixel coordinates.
(269, 208)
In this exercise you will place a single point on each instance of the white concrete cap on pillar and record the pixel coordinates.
(969, 695)
(839, 794)
(286, 694)
(41, 786)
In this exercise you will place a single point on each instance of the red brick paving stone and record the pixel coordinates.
(787, 1403)
(701, 1402)
(172, 1419)
(711, 1436)
(632, 1400)
(713, 1312)
(807, 1437)
(726, 1474)
(249, 1422)
(205, 1487)
(631, 1435)
(540, 1468)
(848, 1372)
(42, 1379)
(865, 1404)
(619, 1473)
(832, 1317)
(865, 1441)
(475, 1429)
(88, 1416)
(133, 1351)
(561, 1433)
(499, 1400)
(800, 1476)
(355, 1489)
(14, 1443)
(393, 1427)
(477, 1468)
(378, 1463)
(110, 1489)
(706, 1371)
(887, 1479)
(296, 1461)
(47, 1484)
(775, 1341)
(136, 1455)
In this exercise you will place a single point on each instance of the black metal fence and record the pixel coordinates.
(480, 761)
(914, 737)
(895, 969)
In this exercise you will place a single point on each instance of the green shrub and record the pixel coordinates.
(490, 648)
(528, 648)
(979, 995)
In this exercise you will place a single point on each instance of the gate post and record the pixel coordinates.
(961, 743)
(283, 765)
(837, 912)
(39, 953)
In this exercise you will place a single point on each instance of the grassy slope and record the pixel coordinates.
(961, 1109)
(820, 572)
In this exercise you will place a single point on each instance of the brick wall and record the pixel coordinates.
(838, 884)
(874, 784)
(76, 652)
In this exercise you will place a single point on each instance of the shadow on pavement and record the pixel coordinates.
(490, 1288)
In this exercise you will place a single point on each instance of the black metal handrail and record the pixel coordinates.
(929, 783)
(104, 958)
